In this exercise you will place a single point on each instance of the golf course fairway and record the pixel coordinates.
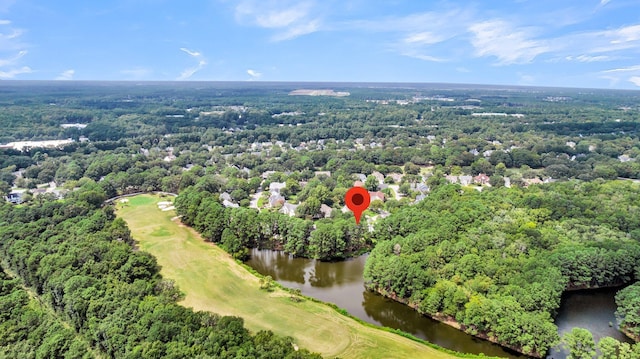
(213, 281)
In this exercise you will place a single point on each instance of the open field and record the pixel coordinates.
(214, 282)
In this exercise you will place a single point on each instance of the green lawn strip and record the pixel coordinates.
(213, 281)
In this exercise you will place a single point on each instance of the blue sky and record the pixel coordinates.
(569, 43)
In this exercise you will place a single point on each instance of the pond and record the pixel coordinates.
(342, 283)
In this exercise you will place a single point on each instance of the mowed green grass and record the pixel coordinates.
(213, 281)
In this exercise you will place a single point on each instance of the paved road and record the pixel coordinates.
(254, 199)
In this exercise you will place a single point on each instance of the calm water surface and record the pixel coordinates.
(342, 283)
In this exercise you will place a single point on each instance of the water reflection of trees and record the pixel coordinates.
(324, 275)
(279, 265)
(284, 267)
(392, 314)
(328, 274)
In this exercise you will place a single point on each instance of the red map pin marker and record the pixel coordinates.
(357, 200)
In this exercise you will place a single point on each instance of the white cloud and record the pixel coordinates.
(296, 31)
(444, 24)
(254, 74)
(12, 50)
(14, 34)
(289, 18)
(617, 75)
(415, 35)
(66, 75)
(282, 18)
(624, 69)
(13, 59)
(604, 2)
(190, 71)
(625, 34)
(426, 38)
(137, 73)
(589, 58)
(14, 72)
(613, 81)
(424, 57)
(508, 44)
(525, 79)
(195, 54)
(10, 37)
(607, 41)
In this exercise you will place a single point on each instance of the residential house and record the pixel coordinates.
(16, 196)
(276, 200)
(289, 209)
(624, 158)
(323, 173)
(230, 204)
(530, 181)
(325, 210)
(397, 177)
(462, 180)
(377, 195)
(481, 179)
(379, 176)
(38, 191)
(360, 177)
(275, 187)
(451, 179)
(465, 180)
(421, 187)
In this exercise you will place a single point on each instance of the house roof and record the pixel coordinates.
(276, 186)
(376, 195)
(276, 199)
(326, 210)
(379, 176)
(230, 204)
(289, 208)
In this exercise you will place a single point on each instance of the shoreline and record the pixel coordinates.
(450, 321)
(626, 332)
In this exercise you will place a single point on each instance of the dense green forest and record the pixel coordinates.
(491, 201)
(29, 330)
(498, 261)
(79, 260)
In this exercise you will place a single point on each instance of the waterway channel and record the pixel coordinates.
(342, 283)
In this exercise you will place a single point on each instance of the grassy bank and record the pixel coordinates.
(213, 281)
